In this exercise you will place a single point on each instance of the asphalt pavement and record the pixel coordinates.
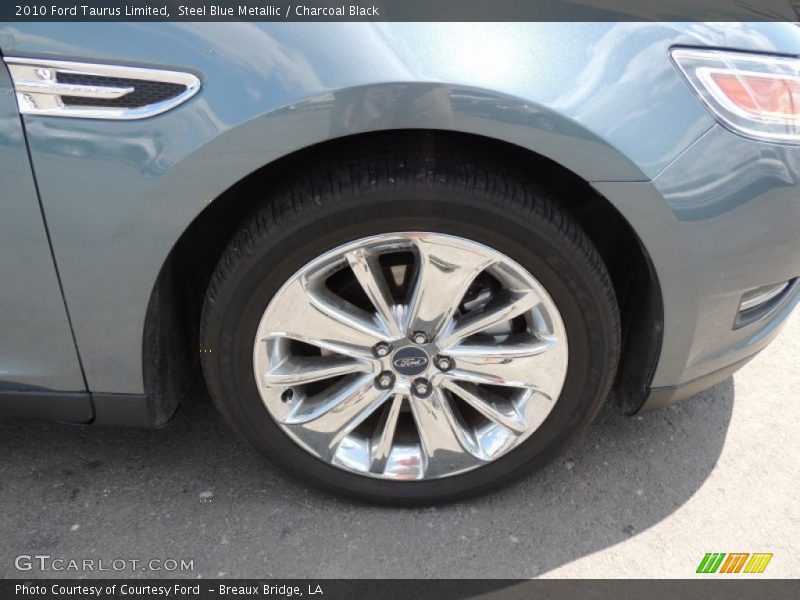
(646, 496)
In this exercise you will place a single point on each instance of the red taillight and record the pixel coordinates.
(763, 96)
(755, 95)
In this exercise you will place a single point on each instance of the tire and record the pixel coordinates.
(401, 188)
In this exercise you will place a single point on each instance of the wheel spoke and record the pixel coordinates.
(367, 269)
(529, 364)
(486, 321)
(447, 444)
(382, 446)
(503, 307)
(314, 317)
(299, 370)
(324, 424)
(507, 416)
(445, 272)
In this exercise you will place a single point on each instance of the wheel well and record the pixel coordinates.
(170, 353)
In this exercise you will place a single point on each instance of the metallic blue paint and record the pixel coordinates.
(716, 213)
(36, 346)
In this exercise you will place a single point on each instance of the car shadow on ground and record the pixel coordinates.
(193, 491)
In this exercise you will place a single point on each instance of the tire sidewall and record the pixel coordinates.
(527, 237)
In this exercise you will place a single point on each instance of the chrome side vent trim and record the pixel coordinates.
(762, 295)
(94, 91)
(762, 301)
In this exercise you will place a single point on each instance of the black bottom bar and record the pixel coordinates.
(402, 589)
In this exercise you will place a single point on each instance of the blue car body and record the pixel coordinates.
(94, 209)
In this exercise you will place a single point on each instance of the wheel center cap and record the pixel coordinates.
(410, 361)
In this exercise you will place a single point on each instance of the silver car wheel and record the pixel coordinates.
(410, 356)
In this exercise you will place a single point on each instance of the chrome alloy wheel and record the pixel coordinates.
(410, 356)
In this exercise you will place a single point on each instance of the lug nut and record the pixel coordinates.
(419, 337)
(384, 381)
(421, 388)
(381, 349)
(444, 363)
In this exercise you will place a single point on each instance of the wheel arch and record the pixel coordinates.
(170, 347)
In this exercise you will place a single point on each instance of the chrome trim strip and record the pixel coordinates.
(39, 93)
(763, 297)
(54, 88)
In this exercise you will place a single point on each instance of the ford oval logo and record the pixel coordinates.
(402, 363)
(410, 361)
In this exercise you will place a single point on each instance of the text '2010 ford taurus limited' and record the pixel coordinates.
(409, 262)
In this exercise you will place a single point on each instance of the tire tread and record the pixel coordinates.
(403, 166)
